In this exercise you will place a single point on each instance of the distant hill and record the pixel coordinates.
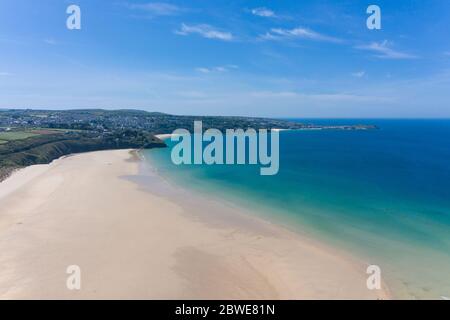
(153, 122)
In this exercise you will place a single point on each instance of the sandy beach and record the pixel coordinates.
(137, 241)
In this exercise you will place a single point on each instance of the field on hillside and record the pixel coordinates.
(15, 135)
(8, 136)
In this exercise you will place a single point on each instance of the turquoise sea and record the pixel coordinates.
(383, 195)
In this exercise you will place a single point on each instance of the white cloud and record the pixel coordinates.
(447, 53)
(217, 69)
(274, 94)
(303, 33)
(204, 30)
(157, 8)
(359, 74)
(383, 50)
(320, 97)
(5, 74)
(220, 69)
(343, 97)
(203, 70)
(263, 12)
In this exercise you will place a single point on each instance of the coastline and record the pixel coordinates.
(164, 136)
(99, 210)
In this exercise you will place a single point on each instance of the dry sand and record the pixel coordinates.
(135, 242)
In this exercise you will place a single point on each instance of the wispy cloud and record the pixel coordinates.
(300, 33)
(217, 69)
(157, 8)
(204, 30)
(193, 94)
(5, 74)
(274, 94)
(383, 50)
(345, 97)
(359, 74)
(263, 12)
(50, 41)
(447, 53)
(324, 97)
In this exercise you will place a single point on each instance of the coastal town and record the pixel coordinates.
(155, 122)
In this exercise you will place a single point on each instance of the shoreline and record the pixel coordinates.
(100, 211)
(250, 215)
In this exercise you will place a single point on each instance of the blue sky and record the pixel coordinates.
(262, 58)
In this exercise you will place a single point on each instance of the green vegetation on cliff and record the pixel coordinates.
(44, 148)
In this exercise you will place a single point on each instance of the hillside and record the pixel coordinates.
(44, 148)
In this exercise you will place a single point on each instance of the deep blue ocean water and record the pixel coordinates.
(382, 194)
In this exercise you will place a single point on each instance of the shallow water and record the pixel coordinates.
(384, 195)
